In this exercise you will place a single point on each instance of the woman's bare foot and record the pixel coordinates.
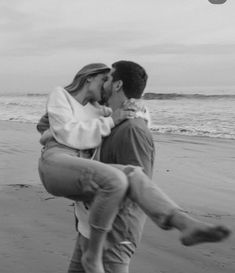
(92, 265)
(204, 233)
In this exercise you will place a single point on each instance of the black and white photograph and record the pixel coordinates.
(117, 136)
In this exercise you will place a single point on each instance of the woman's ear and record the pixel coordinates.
(88, 79)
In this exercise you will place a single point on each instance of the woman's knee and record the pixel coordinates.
(134, 177)
(119, 181)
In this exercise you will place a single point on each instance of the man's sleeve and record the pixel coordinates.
(43, 124)
(136, 147)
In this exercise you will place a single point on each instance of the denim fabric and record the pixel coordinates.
(64, 174)
(129, 143)
(116, 256)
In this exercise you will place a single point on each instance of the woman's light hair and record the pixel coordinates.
(82, 75)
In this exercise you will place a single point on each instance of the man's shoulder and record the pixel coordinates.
(133, 132)
(130, 143)
(136, 127)
(137, 124)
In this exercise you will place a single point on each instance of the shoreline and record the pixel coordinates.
(37, 230)
(153, 131)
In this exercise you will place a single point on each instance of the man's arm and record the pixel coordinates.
(130, 143)
(137, 148)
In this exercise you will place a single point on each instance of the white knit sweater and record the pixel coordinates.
(75, 125)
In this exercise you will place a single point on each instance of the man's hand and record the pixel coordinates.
(45, 137)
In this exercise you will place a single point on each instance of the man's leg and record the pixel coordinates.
(116, 268)
(116, 257)
(75, 265)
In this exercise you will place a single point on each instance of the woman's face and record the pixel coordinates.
(95, 88)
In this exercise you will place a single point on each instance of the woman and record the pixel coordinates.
(77, 125)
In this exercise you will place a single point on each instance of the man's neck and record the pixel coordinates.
(117, 100)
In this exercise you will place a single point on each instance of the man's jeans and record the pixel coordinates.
(116, 257)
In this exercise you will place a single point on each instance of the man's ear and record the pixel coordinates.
(119, 85)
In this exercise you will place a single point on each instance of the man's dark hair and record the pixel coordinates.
(133, 76)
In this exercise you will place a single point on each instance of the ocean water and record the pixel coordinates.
(211, 115)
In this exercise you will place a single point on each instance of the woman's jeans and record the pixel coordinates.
(65, 174)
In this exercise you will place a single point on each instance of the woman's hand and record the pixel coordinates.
(119, 115)
(107, 111)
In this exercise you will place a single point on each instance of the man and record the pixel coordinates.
(130, 143)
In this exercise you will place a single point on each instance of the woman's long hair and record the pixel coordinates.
(89, 70)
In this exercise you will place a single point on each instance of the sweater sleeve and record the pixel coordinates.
(68, 128)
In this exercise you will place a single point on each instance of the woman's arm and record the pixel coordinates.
(70, 129)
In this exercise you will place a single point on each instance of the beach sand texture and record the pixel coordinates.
(37, 233)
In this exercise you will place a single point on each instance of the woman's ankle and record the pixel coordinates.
(181, 220)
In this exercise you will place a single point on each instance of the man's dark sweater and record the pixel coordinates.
(130, 143)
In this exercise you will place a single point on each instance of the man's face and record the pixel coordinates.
(108, 86)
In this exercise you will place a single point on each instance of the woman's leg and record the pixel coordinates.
(167, 214)
(70, 176)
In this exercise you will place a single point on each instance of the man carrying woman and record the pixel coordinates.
(77, 126)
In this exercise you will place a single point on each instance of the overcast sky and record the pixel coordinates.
(181, 43)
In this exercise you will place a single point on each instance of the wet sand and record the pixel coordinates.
(37, 232)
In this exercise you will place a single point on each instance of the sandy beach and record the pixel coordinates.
(37, 233)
